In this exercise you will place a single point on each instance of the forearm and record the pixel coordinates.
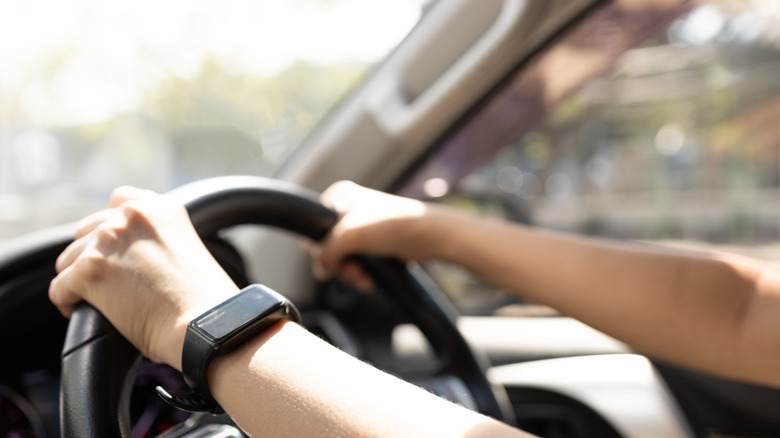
(286, 382)
(717, 313)
(687, 307)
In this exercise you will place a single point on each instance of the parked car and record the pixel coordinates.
(653, 121)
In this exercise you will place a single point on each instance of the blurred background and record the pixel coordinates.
(648, 121)
(643, 123)
(636, 124)
(99, 93)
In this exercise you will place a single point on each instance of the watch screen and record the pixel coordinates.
(237, 312)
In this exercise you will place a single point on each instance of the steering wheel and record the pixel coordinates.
(98, 365)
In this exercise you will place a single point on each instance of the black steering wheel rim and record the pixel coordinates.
(98, 364)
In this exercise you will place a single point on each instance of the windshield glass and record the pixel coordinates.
(645, 121)
(96, 93)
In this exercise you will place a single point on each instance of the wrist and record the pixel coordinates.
(417, 236)
(219, 331)
(198, 303)
(435, 233)
(240, 358)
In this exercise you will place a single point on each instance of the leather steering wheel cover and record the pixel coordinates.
(98, 363)
(97, 356)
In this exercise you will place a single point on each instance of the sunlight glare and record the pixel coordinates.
(96, 58)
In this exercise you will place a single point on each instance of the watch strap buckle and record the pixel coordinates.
(189, 401)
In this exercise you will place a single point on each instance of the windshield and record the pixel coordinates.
(96, 93)
(644, 121)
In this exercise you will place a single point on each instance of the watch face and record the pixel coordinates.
(238, 312)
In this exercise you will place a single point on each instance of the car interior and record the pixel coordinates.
(645, 120)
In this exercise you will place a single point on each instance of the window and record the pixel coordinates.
(96, 94)
(658, 124)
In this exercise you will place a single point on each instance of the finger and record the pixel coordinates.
(331, 251)
(63, 294)
(318, 271)
(353, 274)
(89, 223)
(123, 194)
(307, 245)
(71, 253)
(313, 250)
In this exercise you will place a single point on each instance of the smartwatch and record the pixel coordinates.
(220, 331)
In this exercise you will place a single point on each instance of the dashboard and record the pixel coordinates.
(32, 337)
(30, 379)
(29, 383)
(18, 417)
(34, 331)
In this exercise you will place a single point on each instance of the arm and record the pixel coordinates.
(717, 313)
(290, 383)
(142, 265)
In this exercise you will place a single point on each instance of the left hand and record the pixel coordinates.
(143, 266)
(371, 223)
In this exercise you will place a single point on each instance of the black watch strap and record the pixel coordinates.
(220, 331)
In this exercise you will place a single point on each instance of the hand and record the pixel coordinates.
(371, 223)
(141, 264)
